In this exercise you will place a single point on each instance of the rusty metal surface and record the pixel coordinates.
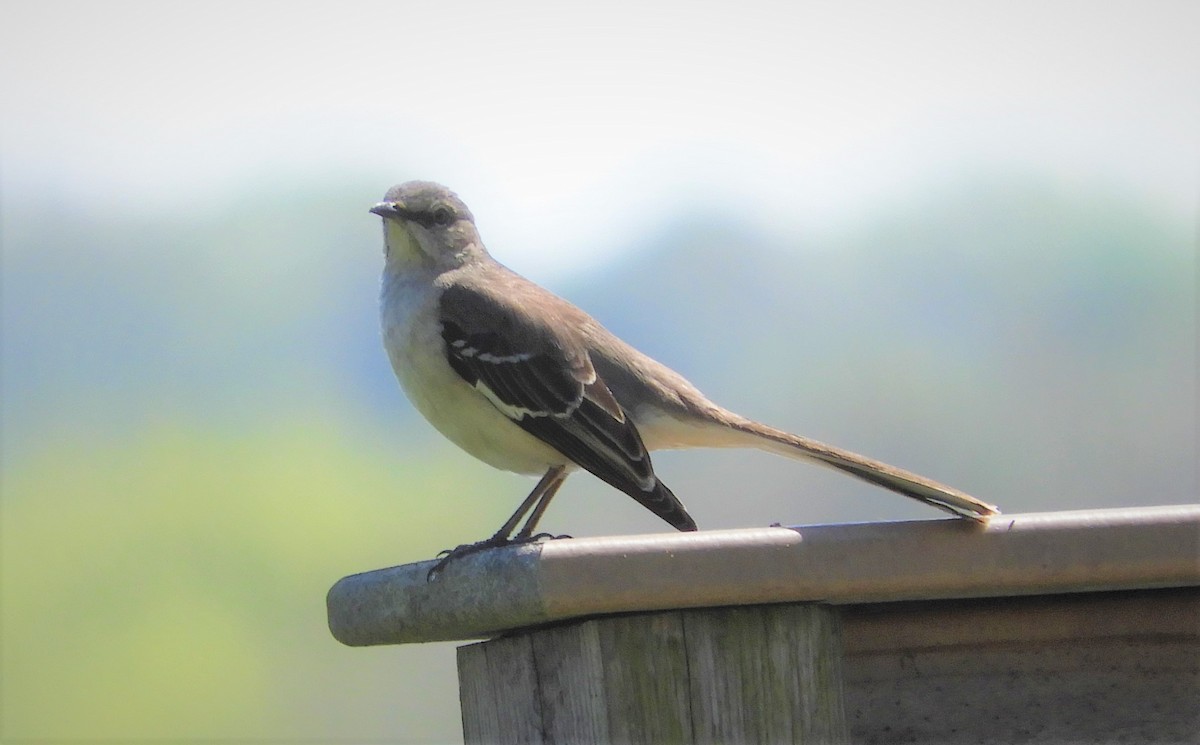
(1033, 554)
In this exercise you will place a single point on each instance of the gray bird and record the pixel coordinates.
(527, 382)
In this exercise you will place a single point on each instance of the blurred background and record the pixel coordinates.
(955, 236)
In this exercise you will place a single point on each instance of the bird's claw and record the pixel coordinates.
(446, 556)
(465, 549)
(541, 537)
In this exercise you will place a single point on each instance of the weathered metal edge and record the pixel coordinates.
(1039, 553)
(476, 596)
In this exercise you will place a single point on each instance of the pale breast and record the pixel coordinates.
(456, 409)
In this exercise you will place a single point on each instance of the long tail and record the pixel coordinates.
(881, 474)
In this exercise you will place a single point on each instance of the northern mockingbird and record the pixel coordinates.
(527, 382)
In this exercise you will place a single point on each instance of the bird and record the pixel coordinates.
(527, 382)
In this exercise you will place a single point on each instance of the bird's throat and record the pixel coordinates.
(401, 246)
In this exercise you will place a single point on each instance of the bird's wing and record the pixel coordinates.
(535, 368)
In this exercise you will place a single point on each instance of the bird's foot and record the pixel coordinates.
(538, 537)
(496, 541)
(465, 549)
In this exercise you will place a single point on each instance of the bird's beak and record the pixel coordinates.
(386, 209)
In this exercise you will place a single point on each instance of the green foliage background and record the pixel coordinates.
(170, 583)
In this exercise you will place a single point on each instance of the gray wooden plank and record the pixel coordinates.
(570, 668)
(497, 692)
(765, 674)
(646, 679)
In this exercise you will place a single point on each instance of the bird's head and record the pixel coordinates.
(426, 224)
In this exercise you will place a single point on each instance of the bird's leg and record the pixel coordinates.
(527, 533)
(538, 499)
(545, 489)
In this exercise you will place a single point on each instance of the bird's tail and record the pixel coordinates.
(881, 474)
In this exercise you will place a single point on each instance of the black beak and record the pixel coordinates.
(386, 209)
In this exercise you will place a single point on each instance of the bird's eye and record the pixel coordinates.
(443, 215)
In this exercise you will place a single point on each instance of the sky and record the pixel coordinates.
(570, 128)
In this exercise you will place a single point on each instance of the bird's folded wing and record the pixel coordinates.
(539, 375)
